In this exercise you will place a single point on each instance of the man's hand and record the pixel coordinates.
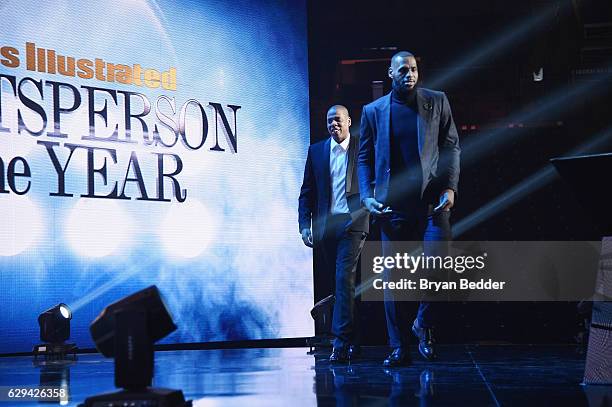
(447, 200)
(307, 237)
(373, 206)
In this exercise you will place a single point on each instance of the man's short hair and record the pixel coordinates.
(339, 108)
(402, 54)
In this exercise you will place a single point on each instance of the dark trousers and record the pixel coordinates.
(341, 248)
(418, 225)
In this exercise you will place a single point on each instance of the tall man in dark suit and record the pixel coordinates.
(409, 151)
(332, 219)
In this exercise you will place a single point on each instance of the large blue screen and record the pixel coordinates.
(154, 142)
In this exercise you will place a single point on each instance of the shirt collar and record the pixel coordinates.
(344, 145)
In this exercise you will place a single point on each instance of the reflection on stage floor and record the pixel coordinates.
(464, 375)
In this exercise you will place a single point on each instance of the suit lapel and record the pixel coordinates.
(382, 123)
(425, 109)
(325, 169)
(352, 157)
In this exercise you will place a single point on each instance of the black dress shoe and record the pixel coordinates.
(426, 341)
(340, 355)
(399, 357)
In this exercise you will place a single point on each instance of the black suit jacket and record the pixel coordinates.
(438, 144)
(315, 195)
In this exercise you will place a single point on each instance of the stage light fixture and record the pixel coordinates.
(54, 331)
(127, 330)
(322, 313)
(55, 324)
(159, 322)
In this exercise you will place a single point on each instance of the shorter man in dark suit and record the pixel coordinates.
(332, 220)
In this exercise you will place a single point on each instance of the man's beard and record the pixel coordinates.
(401, 90)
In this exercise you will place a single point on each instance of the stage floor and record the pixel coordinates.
(465, 375)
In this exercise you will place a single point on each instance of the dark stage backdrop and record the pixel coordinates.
(154, 142)
(488, 58)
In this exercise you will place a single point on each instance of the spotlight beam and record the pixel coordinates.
(513, 33)
(556, 103)
(541, 178)
(120, 278)
(482, 143)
